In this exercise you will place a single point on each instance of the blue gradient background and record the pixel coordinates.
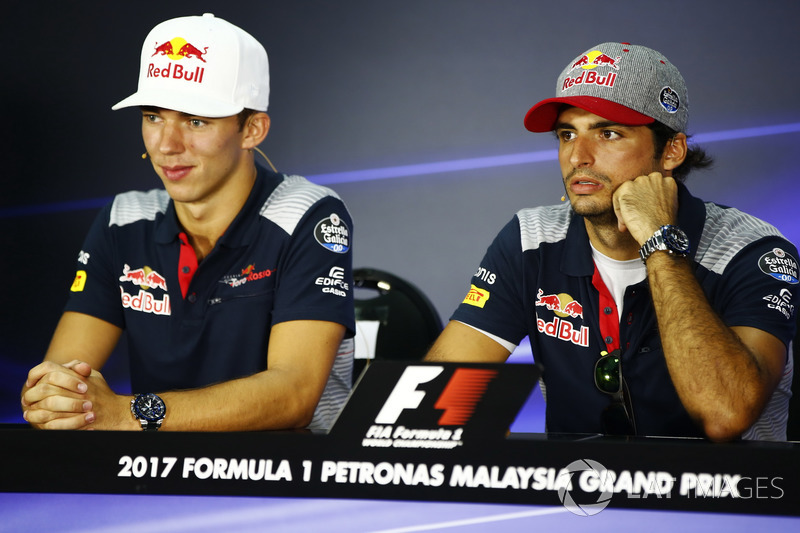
(411, 110)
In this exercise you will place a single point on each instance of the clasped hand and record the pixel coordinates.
(67, 396)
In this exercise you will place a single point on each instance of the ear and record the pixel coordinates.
(675, 152)
(255, 130)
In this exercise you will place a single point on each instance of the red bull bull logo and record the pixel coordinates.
(176, 49)
(604, 60)
(144, 277)
(595, 59)
(563, 305)
(184, 49)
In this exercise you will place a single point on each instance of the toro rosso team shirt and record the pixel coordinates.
(286, 256)
(538, 278)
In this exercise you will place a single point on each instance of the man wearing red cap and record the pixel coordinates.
(232, 283)
(651, 311)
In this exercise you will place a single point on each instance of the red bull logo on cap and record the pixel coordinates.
(177, 49)
(595, 59)
(587, 64)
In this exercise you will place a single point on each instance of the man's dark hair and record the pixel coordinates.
(243, 115)
(696, 158)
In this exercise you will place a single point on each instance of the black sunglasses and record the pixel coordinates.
(618, 416)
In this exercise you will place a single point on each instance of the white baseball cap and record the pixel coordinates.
(202, 66)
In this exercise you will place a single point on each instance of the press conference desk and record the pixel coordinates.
(366, 467)
(742, 477)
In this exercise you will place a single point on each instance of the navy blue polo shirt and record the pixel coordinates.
(538, 278)
(286, 256)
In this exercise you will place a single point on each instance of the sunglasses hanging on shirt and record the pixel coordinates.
(618, 416)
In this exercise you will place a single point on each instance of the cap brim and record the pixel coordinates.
(192, 105)
(543, 116)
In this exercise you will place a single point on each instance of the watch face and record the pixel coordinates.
(676, 239)
(149, 407)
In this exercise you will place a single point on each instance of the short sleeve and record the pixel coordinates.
(316, 280)
(493, 302)
(760, 285)
(95, 290)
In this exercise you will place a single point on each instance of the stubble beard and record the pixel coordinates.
(597, 212)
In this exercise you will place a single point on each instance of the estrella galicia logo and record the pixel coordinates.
(333, 234)
(779, 265)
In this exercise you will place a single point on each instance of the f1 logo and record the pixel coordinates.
(458, 399)
(405, 394)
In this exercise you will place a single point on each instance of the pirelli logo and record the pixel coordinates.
(79, 282)
(476, 296)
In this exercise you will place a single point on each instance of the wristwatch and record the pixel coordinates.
(149, 410)
(669, 238)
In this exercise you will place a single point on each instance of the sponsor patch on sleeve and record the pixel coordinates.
(332, 233)
(80, 281)
(476, 296)
(781, 302)
(780, 265)
(334, 283)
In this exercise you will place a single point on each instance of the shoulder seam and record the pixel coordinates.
(727, 231)
(545, 224)
(291, 200)
(133, 206)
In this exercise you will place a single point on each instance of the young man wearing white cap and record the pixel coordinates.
(651, 311)
(232, 283)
